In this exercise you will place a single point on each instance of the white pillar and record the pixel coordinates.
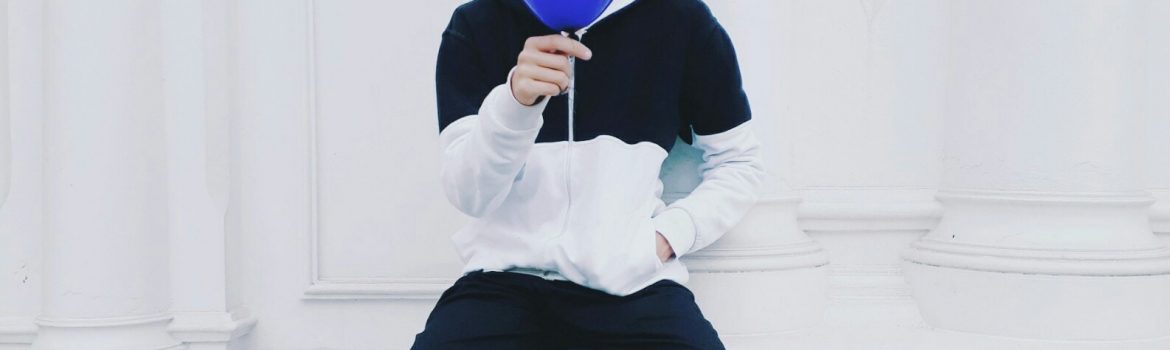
(20, 210)
(865, 92)
(105, 199)
(17, 227)
(5, 136)
(1156, 107)
(766, 276)
(198, 94)
(1045, 232)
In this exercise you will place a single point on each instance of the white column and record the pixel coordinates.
(866, 95)
(20, 210)
(5, 137)
(1156, 107)
(105, 199)
(18, 239)
(1045, 232)
(197, 64)
(766, 276)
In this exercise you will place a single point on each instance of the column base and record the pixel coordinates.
(1043, 265)
(17, 332)
(758, 292)
(1042, 306)
(761, 302)
(1160, 212)
(764, 277)
(881, 336)
(122, 333)
(211, 330)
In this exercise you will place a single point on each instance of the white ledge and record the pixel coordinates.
(869, 216)
(17, 330)
(211, 327)
(391, 289)
(1135, 198)
(1040, 261)
(808, 254)
(103, 322)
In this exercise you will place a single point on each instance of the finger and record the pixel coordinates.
(560, 44)
(558, 78)
(547, 60)
(540, 42)
(541, 88)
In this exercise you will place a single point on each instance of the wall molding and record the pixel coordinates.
(1123, 212)
(379, 289)
(311, 121)
(211, 327)
(17, 330)
(127, 332)
(320, 288)
(871, 211)
(868, 209)
(103, 321)
(869, 217)
(868, 283)
(927, 251)
(806, 254)
(1160, 211)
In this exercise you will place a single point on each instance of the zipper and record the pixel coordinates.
(569, 139)
(569, 144)
(572, 95)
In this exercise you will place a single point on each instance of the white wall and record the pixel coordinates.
(335, 157)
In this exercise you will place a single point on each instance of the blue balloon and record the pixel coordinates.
(567, 15)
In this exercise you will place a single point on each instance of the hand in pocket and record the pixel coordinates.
(665, 252)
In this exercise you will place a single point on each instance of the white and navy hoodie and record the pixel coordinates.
(584, 199)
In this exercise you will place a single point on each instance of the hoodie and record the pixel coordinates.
(578, 194)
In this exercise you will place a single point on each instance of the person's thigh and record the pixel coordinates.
(485, 311)
(661, 316)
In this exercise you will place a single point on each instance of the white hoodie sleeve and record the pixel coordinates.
(715, 107)
(732, 173)
(485, 135)
(482, 154)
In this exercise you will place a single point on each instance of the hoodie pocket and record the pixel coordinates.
(644, 252)
(614, 261)
(653, 249)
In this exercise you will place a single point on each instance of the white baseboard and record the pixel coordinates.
(17, 332)
(216, 329)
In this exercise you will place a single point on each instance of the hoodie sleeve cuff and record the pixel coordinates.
(509, 112)
(676, 226)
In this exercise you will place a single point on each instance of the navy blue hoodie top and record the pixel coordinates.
(660, 68)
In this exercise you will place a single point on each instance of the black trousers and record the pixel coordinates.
(506, 310)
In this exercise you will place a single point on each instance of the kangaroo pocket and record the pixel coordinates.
(614, 260)
(609, 240)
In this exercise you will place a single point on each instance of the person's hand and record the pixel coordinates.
(664, 249)
(542, 68)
